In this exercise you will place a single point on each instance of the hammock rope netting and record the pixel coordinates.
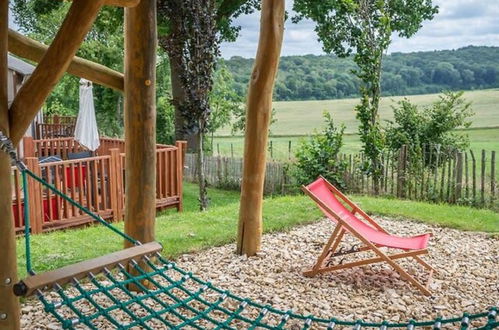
(150, 292)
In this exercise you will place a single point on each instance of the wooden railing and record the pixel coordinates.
(60, 147)
(60, 120)
(52, 131)
(97, 183)
(106, 144)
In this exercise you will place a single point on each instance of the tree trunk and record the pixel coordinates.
(179, 96)
(9, 304)
(375, 98)
(203, 195)
(258, 115)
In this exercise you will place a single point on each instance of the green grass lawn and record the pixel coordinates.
(190, 231)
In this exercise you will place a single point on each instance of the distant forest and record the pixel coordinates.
(312, 77)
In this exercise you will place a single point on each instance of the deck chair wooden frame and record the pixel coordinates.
(344, 227)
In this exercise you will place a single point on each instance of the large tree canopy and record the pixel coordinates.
(343, 25)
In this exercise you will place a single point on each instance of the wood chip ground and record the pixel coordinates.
(468, 278)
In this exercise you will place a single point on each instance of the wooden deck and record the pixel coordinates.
(97, 182)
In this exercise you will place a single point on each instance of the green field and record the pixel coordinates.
(481, 138)
(302, 117)
(297, 119)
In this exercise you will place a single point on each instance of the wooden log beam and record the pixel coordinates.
(140, 120)
(9, 304)
(34, 51)
(49, 71)
(258, 115)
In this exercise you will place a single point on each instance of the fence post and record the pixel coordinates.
(36, 212)
(289, 150)
(482, 188)
(459, 177)
(401, 171)
(114, 183)
(181, 148)
(28, 147)
(473, 176)
(492, 178)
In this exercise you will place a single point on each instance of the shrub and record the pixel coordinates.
(436, 124)
(319, 155)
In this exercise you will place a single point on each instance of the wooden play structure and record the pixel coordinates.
(353, 220)
(148, 291)
(138, 84)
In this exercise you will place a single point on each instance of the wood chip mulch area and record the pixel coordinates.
(467, 281)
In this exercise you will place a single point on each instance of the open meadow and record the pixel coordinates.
(302, 117)
(297, 119)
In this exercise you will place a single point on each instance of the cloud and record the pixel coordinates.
(459, 23)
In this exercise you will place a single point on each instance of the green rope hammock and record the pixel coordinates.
(170, 297)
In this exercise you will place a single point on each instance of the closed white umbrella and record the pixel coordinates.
(86, 132)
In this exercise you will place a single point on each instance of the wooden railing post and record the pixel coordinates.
(28, 147)
(181, 148)
(36, 213)
(115, 184)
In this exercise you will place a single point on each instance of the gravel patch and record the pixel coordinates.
(467, 281)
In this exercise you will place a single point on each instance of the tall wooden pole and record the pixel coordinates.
(9, 304)
(259, 109)
(140, 120)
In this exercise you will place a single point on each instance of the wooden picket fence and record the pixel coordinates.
(97, 183)
(437, 174)
(226, 172)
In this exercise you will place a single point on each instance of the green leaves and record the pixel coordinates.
(436, 124)
(319, 155)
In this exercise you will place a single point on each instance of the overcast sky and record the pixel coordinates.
(459, 23)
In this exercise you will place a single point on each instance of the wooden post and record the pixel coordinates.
(458, 190)
(9, 304)
(115, 183)
(59, 55)
(473, 176)
(28, 147)
(401, 172)
(181, 148)
(482, 178)
(492, 178)
(466, 175)
(36, 212)
(140, 121)
(257, 126)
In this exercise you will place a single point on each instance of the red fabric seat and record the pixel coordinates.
(320, 189)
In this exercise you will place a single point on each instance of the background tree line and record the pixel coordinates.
(325, 77)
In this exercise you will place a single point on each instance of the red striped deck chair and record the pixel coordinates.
(349, 218)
